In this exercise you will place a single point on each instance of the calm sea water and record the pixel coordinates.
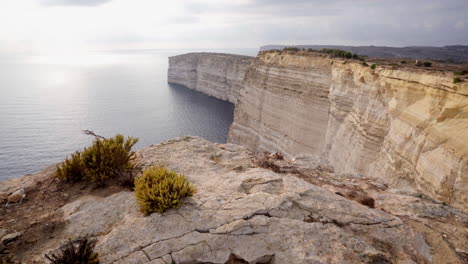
(46, 102)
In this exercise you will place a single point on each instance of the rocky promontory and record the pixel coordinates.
(216, 74)
(404, 124)
(248, 209)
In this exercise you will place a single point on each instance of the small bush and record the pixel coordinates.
(427, 64)
(105, 159)
(159, 189)
(456, 80)
(373, 66)
(403, 62)
(293, 49)
(76, 252)
(361, 58)
(72, 169)
(461, 73)
(339, 53)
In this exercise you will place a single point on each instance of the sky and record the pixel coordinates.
(56, 26)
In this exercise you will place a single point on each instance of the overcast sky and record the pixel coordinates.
(54, 26)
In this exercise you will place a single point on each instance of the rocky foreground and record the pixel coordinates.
(296, 211)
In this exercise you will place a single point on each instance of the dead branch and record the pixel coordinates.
(91, 133)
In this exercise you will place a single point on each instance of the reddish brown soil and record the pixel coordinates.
(37, 217)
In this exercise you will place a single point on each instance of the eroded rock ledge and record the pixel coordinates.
(216, 74)
(246, 214)
(405, 124)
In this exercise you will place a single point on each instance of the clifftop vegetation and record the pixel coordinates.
(332, 52)
(105, 159)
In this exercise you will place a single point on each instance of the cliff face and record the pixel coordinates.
(282, 108)
(407, 126)
(216, 74)
(404, 125)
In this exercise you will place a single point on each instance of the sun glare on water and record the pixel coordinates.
(91, 58)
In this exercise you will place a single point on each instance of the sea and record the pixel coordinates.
(47, 101)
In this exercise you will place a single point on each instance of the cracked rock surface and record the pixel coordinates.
(245, 214)
(241, 212)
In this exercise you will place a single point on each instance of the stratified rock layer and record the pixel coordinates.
(406, 125)
(216, 74)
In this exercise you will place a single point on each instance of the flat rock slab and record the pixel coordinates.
(240, 214)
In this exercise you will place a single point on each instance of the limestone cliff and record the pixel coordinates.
(407, 125)
(216, 74)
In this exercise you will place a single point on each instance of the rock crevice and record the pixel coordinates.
(256, 215)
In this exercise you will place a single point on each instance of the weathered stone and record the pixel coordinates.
(28, 181)
(216, 74)
(10, 237)
(100, 214)
(136, 257)
(3, 232)
(3, 198)
(16, 196)
(406, 125)
(255, 215)
(167, 259)
(159, 261)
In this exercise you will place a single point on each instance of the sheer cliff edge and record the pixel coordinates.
(405, 124)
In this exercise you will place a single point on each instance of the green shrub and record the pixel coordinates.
(373, 66)
(403, 62)
(108, 158)
(105, 159)
(339, 53)
(294, 49)
(361, 58)
(427, 64)
(72, 169)
(456, 80)
(76, 252)
(461, 73)
(159, 189)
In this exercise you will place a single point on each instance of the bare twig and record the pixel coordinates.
(91, 133)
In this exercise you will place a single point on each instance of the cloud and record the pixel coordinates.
(278, 8)
(130, 24)
(73, 2)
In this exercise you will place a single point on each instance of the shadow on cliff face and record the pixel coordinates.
(208, 117)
